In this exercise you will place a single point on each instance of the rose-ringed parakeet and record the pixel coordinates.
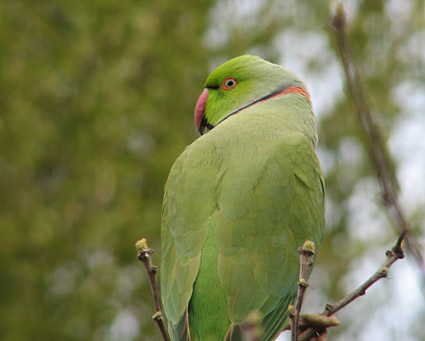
(238, 203)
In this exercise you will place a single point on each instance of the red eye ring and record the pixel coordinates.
(229, 83)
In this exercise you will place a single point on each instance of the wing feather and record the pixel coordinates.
(264, 208)
(261, 226)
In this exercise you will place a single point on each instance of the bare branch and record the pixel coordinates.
(318, 321)
(377, 150)
(144, 254)
(393, 255)
(306, 253)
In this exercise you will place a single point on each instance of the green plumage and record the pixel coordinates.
(238, 203)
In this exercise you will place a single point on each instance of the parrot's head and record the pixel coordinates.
(239, 83)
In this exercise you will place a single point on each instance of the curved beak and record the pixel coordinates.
(200, 120)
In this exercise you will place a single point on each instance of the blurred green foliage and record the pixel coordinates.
(96, 102)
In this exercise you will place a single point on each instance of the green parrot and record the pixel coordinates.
(238, 203)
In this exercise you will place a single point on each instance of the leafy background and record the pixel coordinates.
(96, 102)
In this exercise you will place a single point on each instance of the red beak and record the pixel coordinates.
(200, 109)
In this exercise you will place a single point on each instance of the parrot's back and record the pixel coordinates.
(238, 203)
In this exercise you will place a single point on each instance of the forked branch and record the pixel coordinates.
(392, 256)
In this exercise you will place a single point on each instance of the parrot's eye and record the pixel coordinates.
(229, 83)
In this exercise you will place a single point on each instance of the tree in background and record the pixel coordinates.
(96, 102)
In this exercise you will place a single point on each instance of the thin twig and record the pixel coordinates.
(306, 253)
(377, 151)
(393, 255)
(144, 254)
